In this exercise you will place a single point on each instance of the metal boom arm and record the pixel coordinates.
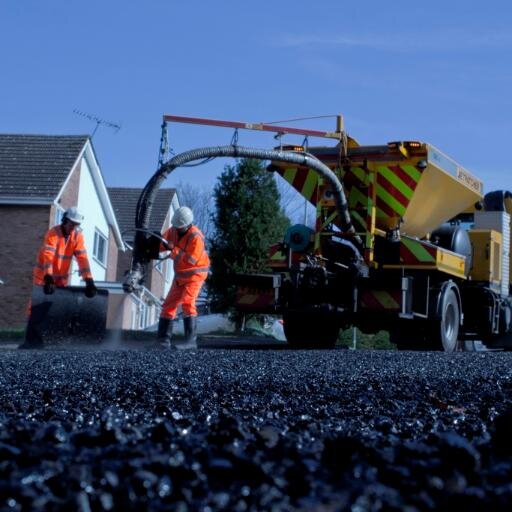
(267, 127)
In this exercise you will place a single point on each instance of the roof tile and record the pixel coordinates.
(124, 201)
(36, 166)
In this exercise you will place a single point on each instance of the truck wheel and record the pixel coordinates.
(310, 329)
(445, 329)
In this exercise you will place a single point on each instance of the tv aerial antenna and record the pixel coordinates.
(98, 121)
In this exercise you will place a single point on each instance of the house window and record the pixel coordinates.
(168, 269)
(100, 247)
(59, 213)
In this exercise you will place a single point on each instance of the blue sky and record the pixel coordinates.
(436, 71)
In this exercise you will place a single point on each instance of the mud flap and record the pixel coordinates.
(68, 317)
(257, 293)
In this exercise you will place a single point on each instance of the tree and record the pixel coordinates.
(248, 219)
(295, 206)
(200, 199)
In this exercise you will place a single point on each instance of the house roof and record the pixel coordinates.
(36, 166)
(124, 201)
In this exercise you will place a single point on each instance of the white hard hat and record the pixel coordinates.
(74, 215)
(182, 217)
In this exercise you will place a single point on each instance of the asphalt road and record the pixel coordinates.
(254, 429)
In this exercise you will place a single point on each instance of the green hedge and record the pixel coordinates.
(379, 341)
(12, 334)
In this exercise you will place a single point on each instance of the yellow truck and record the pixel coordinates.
(427, 260)
(404, 240)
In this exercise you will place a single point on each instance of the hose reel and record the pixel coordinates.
(298, 237)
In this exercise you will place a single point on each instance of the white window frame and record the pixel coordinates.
(98, 235)
(59, 213)
(168, 269)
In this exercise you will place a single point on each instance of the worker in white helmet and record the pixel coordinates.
(61, 243)
(191, 265)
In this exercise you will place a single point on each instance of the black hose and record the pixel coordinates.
(148, 195)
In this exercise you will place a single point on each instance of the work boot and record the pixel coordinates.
(164, 334)
(33, 339)
(190, 328)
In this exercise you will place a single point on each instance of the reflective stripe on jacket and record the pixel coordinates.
(191, 261)
(55, 256)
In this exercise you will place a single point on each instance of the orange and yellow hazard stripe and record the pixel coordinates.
(255, 300)
(380, 300)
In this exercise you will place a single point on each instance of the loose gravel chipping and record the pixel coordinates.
(254, 430)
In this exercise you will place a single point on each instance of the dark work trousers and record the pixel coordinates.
(38, 313)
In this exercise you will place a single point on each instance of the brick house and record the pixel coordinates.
(41, 176)
(144, 309)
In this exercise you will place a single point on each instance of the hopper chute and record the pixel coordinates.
(444, 190)
(410, 186)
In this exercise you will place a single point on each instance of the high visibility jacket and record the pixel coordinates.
(55, 255)
(191, 261)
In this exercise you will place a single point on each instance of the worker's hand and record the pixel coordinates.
(49, 284)
(90, 288)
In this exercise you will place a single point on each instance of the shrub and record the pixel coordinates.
(379, 340)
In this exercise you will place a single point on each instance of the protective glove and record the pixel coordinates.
(49, 284)
(90, 288)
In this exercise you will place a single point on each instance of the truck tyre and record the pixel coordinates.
(310, 330)
(445, 328)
